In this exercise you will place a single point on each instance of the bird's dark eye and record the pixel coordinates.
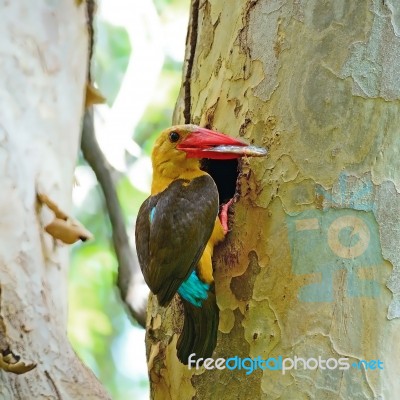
(174, 137)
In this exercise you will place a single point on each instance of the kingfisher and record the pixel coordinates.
(180, 223)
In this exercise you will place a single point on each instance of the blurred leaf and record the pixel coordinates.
(93, 96)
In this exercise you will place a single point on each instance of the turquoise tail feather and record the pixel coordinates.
(194, 290)
(201, 317)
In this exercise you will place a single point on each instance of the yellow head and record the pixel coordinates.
(178, 149)
(170, 163)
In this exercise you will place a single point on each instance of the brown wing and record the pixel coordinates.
(172, 230)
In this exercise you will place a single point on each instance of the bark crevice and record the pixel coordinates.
(192, 51)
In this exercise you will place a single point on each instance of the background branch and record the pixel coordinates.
(130, 281)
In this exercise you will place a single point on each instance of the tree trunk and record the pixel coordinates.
(311, 265)
(44, 53)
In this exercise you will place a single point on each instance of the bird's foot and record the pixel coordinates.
(223, 215)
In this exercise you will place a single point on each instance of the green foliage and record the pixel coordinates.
(112, 53)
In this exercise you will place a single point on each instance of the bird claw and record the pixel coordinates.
(223, 215)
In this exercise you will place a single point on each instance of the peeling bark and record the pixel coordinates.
(44, 52)
(311, 266)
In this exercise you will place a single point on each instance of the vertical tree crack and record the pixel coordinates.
(192, 39)
(53, 385)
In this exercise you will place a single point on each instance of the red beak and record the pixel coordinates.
(205, 143)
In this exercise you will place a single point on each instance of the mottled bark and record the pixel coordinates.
(311, 267)
(44, 53)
